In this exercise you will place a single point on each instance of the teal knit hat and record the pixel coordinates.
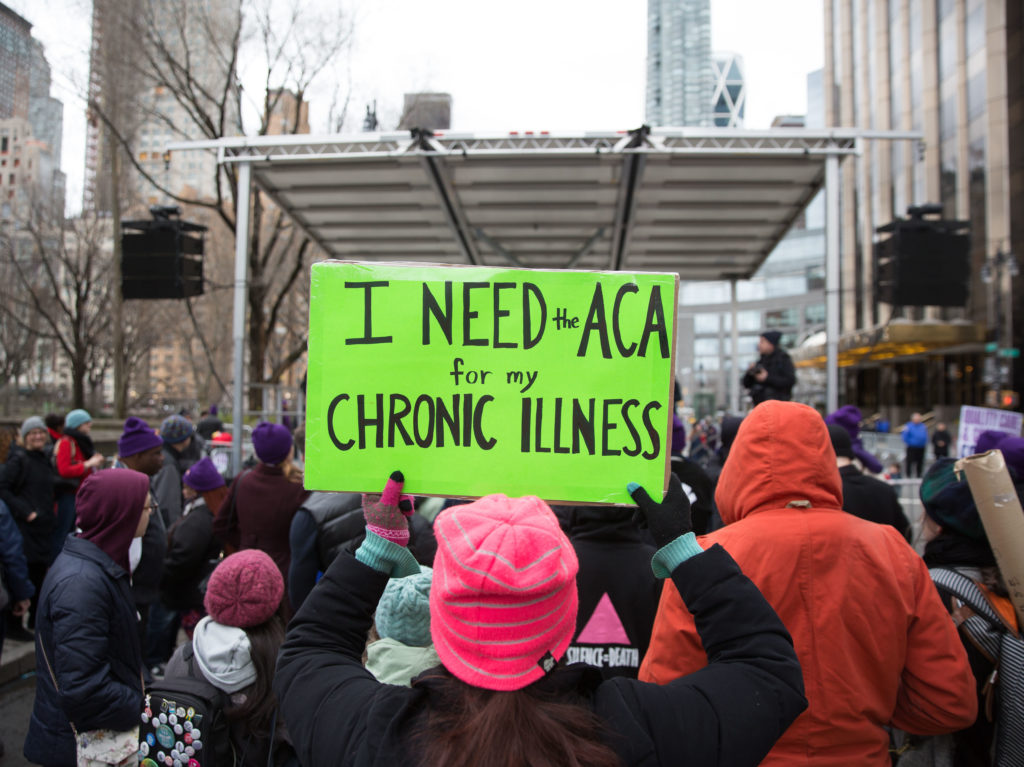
(76, 418)
(403, 613)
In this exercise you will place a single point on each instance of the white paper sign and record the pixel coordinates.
(975, 420)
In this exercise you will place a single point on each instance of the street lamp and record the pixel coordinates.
(998, 272)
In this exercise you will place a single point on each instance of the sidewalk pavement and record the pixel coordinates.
(18, 658)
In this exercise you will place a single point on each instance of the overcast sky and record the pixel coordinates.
(524, 65)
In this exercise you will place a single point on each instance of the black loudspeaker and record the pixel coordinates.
(923, 263)
(162, 259)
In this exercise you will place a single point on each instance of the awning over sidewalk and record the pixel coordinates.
(898, 340)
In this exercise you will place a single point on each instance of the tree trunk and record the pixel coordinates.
(78, 375)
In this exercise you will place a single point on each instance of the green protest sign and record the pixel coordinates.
(476, 380)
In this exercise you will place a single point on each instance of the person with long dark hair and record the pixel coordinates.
(503, 611)
(234, 649)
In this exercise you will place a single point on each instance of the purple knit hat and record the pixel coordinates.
(988, 440)
(138, 437)
(203, 476)
(1013, 453)
(678, 435)
(271, 441)
(849, 417)
(244, 590)
(503, 602)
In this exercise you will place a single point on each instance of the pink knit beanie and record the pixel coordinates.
(244, 590)
(503, 603)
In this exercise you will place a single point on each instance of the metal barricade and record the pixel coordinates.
(909, 492)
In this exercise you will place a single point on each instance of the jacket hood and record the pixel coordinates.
(223, 655)
(392, 662)
(109, 506)
(782, 454)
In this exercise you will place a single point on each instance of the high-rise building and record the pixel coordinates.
(155, 116)
(730, 95)
(432, 111)
(954, 70)
(15, 63)
(680, 81)
(288, 115)
(31, 122)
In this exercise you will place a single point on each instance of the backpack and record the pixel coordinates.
(184, 722)
(981, 624)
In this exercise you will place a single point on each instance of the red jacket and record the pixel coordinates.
(876, 645)
(69, 459)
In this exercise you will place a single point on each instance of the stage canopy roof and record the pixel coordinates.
(708, 204)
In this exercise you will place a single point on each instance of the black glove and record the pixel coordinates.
(668, 519)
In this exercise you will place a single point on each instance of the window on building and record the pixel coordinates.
(705, 323)
(814, 314)
(3, 144)
(705, 347)
(746, 321)
(782, 318)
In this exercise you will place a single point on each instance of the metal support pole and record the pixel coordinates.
(1009, 268)
(734, 380)
(832, 283)
(238, 322)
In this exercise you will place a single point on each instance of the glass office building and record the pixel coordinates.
(954, 70)
(680, 81)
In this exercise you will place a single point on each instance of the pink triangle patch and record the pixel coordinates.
(604, 626)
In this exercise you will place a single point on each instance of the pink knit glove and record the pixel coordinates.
(387, 514)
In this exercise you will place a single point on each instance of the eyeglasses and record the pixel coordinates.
(151, 507)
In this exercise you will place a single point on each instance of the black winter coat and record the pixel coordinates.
(89, 628)
(729, 713)
(26, 486)
(872, 499)
(780, 381)
(618, 593)
(13, 566)
(191, 556)
(699, 489)
(328, 523)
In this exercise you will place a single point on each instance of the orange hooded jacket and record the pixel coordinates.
(876, 645)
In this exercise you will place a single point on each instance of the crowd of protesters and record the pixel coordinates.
(768, 610)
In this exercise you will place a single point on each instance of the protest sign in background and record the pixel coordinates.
(975, 420)
(475, 380)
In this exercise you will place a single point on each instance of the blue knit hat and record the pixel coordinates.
(175, 429)
(403, 613)
(76, 418)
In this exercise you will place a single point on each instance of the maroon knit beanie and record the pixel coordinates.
(245, 590)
